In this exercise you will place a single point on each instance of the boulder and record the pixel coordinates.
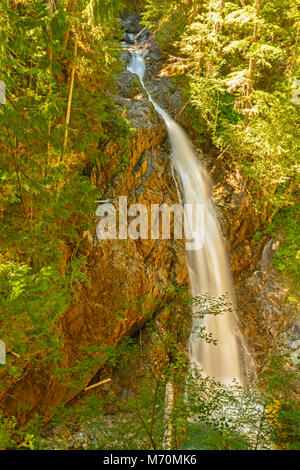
(132, 24)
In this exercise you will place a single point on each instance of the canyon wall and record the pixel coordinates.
(120, 270)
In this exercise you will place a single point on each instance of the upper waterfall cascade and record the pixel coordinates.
(208, 266)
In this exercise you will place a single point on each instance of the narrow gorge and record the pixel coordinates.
(131, 325)
(207, 264)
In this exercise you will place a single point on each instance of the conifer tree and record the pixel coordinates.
(59, 61)
(238, 62)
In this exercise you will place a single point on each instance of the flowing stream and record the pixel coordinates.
(208, 266)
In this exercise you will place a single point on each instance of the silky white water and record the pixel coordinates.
(208, 266)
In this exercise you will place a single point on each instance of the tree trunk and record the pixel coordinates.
(218, 25)
(67, 34)
(169, 405)
(252, 59)
(50, 53)
(68, 114)
(251, 68)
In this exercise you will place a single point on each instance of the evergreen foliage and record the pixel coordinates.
(199, 413)
(59, 61)
(238, 62)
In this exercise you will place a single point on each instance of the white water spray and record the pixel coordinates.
(208, 266)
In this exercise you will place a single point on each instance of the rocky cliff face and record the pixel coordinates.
(261, 294)
(119, 269)
(126, 269)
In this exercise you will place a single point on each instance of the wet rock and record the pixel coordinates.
(240, 257)
(145, 36)
(128, 85)
(264, 314)
(128, 39)
(155, 55)
(126, 57)
(132, 24)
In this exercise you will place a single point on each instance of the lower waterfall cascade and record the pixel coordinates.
(208, 266)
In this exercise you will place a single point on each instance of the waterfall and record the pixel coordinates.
(208, 266)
